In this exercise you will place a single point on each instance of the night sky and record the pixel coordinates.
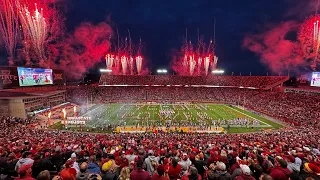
(161, 25)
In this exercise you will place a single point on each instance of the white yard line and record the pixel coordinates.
(247, 115)
(91, 110)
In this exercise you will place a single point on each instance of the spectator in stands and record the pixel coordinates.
(25, 172)
(174, 169)
(139, 173)
(124, 174)
(83, 174)
(110, 170)
(219, 172)
(93, 165)
(265, 177)
(44, 175)
(160, 175)
(26, 159)
(280, 171)
(245, 173)
(185, 162)
(151, 162)
(68, 173)
(192, 175)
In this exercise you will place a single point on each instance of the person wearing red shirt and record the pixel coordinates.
(139, 173)
(280, 171)
(25, 172)
(161, 175)
(174, 170)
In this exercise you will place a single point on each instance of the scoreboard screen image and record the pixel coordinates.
(34, 76)
(315, 79)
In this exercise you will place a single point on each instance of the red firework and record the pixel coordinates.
(309, 38)
(126, 59)
(195, 61)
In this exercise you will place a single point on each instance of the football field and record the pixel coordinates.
(137, 114)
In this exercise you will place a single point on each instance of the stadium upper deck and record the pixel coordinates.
(259, 82)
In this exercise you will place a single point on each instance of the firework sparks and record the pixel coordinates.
(131, 63)
(9, 27)
(206, 64)
(126, 59)
(139, 64)
(196, 60)
(309, 38)
(124, 63)
(109, 60)
(35, 29)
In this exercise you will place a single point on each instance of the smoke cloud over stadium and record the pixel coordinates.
(83, 48)
(279, 50)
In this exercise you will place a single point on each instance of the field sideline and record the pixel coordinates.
(232, 118)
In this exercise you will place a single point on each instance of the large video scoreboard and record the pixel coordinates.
(315, 79)
(14, 77)
(34, 76)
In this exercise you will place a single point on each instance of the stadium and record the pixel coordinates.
(85, 99)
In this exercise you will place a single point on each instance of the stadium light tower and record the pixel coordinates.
(162, 71)
(218, 71)
(105, 70)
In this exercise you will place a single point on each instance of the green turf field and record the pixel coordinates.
(178, 114)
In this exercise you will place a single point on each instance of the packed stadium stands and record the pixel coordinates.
(282, 154)
(228, 81)
(292, 152)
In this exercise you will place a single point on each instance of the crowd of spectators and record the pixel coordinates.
(28, 153)
(230, 81)
(13, 121)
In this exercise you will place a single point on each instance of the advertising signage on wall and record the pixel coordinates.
(58, 77)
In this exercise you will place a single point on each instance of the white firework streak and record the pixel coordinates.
(117, 65)
(9, 27)
(124, 65)
(109, 60)
(185, 63)
(131, 65)
(192, 65)
(215, 61)
(139, 64)
(316, 38)
(35, 29)
(199, 65)
(206, 64)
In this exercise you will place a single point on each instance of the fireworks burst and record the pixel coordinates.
(139, 64)
(125, 59)
(9, 27)
(196, 60)
(34, 29)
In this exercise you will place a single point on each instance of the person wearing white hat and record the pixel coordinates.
(185, 162)
(75, 163)
(246, 173)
